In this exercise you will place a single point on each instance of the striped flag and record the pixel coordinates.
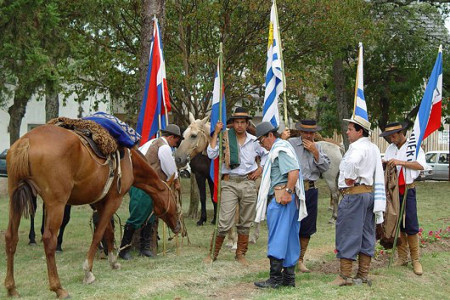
(156, 102)
(214, 170)
(274, 72)
(428, 118)
(360, 107)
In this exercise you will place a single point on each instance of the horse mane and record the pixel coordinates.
(147, 171)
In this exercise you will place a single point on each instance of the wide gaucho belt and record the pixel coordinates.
(357, 189)
(309, 184)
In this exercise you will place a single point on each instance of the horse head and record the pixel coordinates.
(196, 139)
(166, 203)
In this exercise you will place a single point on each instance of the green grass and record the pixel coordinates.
(184, 276)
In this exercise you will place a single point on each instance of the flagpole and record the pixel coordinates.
(219, 179)
(286, 120)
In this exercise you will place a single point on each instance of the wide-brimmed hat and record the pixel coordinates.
(172, 129)
(393, 128)
(264, 128)
(360, 121)
(239, 113)
(308, 126)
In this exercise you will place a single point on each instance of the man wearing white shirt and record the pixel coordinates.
(361, 183)
(158, 153)
(408, 169)
(239, 173)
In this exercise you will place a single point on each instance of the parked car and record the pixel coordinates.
(438, 162)
(3, 163)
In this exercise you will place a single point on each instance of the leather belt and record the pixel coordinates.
(357, 189)
(411, 185)
(234, 178)
(309, 184)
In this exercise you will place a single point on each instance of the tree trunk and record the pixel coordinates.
(194, 199)
(341, 97)
(51, 103)
(150, 8)
(16, 114)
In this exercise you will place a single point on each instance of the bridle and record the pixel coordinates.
(192, 148)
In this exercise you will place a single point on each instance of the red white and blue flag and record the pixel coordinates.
(428, 117)
(155, 107)
(214, 171)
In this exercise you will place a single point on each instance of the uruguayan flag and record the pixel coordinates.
(359, 115)
(274, 72)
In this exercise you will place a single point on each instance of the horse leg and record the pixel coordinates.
(108, 237)
(32, 234)
(105, 212)
(202, 192)
(11, 239)
(65, 221)
(211, 190)
(53, 220)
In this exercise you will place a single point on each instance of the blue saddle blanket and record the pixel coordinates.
(124, 134)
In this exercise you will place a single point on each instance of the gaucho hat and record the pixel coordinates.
(393, 128)
(308, 126)
(172, 129)
(239, 113)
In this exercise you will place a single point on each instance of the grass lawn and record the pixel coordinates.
(184, 276)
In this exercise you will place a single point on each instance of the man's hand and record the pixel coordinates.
(219, 126)
(285, 198)
(310, 146)
(394, 162)
(285, 134)
(349, 182)
(255, 174)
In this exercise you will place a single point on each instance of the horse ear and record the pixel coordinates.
(191, 118)
(205, 120)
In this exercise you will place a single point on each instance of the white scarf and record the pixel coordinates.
(261, 204)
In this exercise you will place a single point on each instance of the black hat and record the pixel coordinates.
(239, 113)
(308, 126)
(172, 129)
(264, 128)
(393, 128)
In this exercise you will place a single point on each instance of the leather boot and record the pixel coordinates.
(218, 246)
(304, 241)
(145, 240)
(276, 278)
(289, 276)
(345, 274)
(242, 246)
(402, 250)
(363, 269)
(413, 241)
(125, 245)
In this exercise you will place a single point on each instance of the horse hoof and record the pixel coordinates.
(200, 222)
(116, 266)
(32, 243)
(13, 293)
(331, 221)
(59, 249)
(213, 222)
(62, 294)
(89, 278)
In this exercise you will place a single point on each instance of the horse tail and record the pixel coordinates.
(23, 188)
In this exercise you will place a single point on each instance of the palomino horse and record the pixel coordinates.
(191, 149)
(52, 161)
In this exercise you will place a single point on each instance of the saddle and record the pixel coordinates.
(102, 144)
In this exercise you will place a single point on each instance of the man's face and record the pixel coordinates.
(174, 141)
(240, 125)
(352, 134)
(396, 138)
(306, 135)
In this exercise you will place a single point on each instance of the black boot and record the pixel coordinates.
(276, 278)
(202, 219)
(289, 276)
(213, 221)
(146, 237)
(125, 246)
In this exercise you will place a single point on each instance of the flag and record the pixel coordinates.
(428, 118)
(360, 107)
(274, 72)
(156, 102)
(214, 171)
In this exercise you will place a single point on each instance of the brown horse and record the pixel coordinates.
(54, 163)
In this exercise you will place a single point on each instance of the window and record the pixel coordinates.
(443, 158)
(430, 157)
